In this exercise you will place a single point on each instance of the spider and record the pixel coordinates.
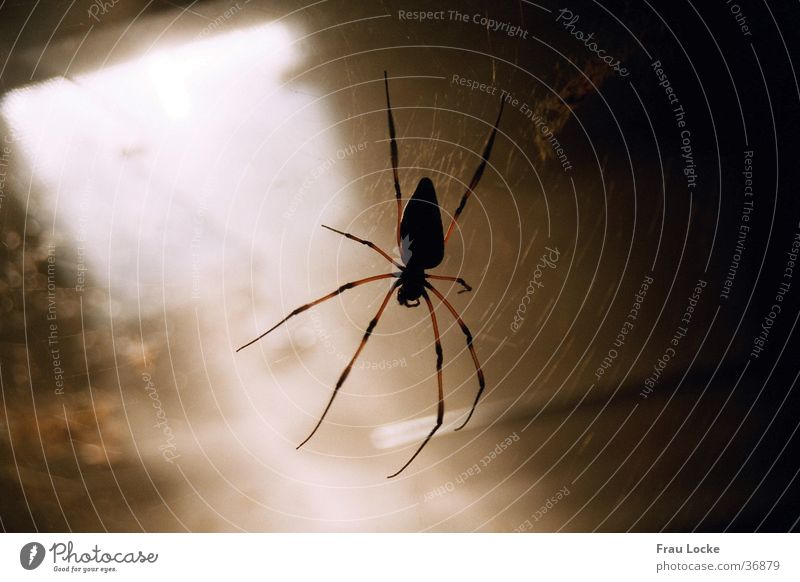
(421, 240)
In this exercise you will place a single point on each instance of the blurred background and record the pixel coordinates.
(165, 170)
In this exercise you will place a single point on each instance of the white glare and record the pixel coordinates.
(151, 164)
(169, 80)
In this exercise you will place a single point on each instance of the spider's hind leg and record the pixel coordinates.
(468, 334)
(349, 367)
(440, 407)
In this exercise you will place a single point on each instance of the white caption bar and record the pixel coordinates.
(461, 557)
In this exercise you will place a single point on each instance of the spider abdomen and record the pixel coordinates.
(421, 233)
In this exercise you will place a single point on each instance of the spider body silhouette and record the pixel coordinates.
(421, 240)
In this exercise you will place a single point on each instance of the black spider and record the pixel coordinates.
(421, 240)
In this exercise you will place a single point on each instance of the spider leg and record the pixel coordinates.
(349, 367)
(477, 176)
(393, 150)
(458, 280)
(330, 295)
(465, 329)
(440, 408)
(370, 244)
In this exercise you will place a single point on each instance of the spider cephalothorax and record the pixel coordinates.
(412, 286)
(421, 241)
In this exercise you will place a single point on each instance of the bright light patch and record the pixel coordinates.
(157, 163)
(172, 70)
(169, 79)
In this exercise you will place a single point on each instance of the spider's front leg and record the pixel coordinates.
(393, 152)
(369, 244)
(478, 173)
(331, 295)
